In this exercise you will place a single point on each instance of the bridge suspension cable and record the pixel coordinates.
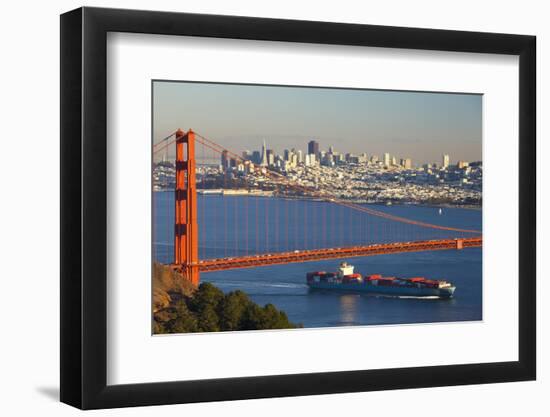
(165, 142)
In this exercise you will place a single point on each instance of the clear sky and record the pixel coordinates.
(421, 126)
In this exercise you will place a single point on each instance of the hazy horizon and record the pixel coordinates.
(417, 125)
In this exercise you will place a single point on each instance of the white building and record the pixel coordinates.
(310, 160)
(387, 159)
(445, 161)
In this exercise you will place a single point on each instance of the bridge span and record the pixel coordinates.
(222, 264)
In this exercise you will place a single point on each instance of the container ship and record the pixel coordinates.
(346, 280)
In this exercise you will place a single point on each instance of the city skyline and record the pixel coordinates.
(416, 125)
(387, 159)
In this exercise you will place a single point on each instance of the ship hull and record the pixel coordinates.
(384, 290)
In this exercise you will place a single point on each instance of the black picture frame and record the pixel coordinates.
(84, 207)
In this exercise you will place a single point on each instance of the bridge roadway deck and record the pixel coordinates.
(221, 264)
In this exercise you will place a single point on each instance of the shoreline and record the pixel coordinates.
(355, 201)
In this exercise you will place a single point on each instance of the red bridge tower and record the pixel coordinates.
(186, 232)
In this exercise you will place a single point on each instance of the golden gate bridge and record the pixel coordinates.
(383, 238)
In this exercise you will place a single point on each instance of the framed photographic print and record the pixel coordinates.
(258, 207)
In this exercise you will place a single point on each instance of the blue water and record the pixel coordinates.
(282, 224)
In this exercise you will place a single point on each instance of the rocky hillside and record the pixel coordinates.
(168, 286)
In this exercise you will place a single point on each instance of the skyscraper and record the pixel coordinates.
(256, 157)
(387, 160)
(313, 148)
(270, 157)
(286, 155)
(445, 162)
(225, 160)
(310, 160)
(264, 161)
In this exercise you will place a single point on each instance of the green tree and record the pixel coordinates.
(208, 320)
(206, 296)
(268, 317)
(231, 310)
(184, 321)
(272, 318)
(209, 310)
(159, 328)
(252, 318)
